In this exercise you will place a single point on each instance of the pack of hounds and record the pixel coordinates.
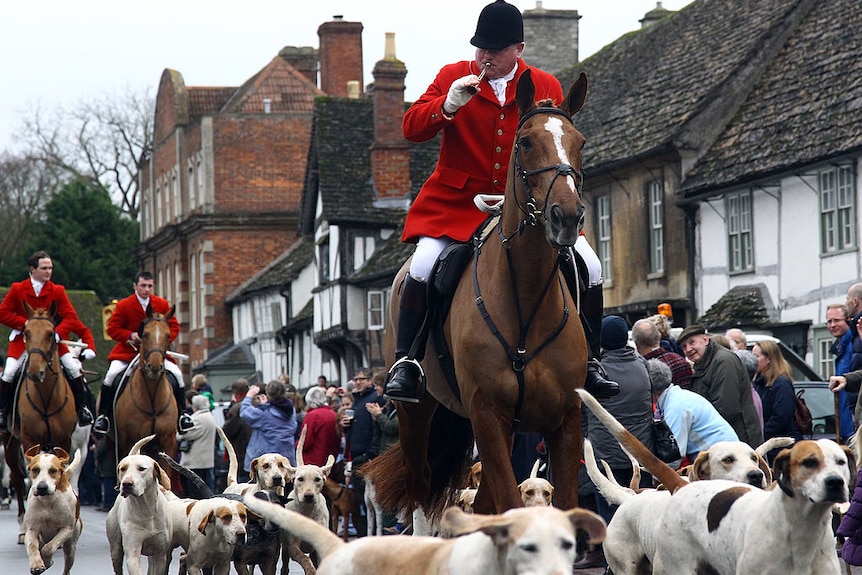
(728, 513)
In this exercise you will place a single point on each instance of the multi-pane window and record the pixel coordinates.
(655, 199)
(603, 232)
(740, 239)
(375, 309)
(192, 188)
(323, 260)
(202, 292)
(837, 209)
(193, 291)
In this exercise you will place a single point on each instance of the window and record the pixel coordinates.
(740, 246)
(275, 311)
(655, 199)
(323, 260)
(375, 310)
(175, 188)
(837, 210)
(202, 291)
(603, 229)
(200, 194)
(191, 186)
(826, 361)
(193, 291)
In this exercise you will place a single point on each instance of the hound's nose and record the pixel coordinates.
(755, 477)
(42, 488)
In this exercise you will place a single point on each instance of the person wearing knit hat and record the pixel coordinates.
(472, 104)
(632, 407)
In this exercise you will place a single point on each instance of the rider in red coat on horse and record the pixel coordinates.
(478, 120)
(123, 328)
(40, 292)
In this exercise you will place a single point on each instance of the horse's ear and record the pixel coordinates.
(149, 310)
(29, 309)
(52, 309)
(525, 93)
(577, 95)
(170, 313)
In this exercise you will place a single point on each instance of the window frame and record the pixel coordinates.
(739, 231)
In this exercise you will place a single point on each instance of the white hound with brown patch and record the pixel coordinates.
(524, 541)
(536, 490)
(53, 515)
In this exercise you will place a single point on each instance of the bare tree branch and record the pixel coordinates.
(101, 140)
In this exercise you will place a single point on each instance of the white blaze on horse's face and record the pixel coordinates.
(554, 126)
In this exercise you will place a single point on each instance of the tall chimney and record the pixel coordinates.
(551, 38)
(340, 55)
(390, 153)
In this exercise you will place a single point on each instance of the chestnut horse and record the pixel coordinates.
(513, 333)
(45, 405)
(146, 404)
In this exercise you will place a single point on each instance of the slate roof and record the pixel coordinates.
(229, 355)
(649, 87)
(386, 260)
(748, 305)
(282, 270)
(806, 108)
(340, 165)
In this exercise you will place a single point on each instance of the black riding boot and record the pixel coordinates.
(406, 378)
(106, 410)
(6, 390)
(592, 309)
(184, 420)
(79, 390)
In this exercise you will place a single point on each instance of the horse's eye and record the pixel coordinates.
(524, 143)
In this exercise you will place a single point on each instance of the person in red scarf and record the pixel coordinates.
(473, 104)
(40, 292)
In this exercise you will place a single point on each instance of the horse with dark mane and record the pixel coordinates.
(513, 335)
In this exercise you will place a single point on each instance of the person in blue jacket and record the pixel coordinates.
(272, 419)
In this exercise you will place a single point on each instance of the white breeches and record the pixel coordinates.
(13, 364)
(117, 367)
(594, 266)
(426, 253)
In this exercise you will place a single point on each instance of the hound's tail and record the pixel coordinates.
(139, 444)
(659, 469)
(607, 485)
(231, 456)
(322, 539)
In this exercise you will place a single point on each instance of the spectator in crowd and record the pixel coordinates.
(632, 407)
(647, 339)
(359, 435)
(721, 378)
(321, 381)
(695, 423)
(722, 340)
(774, 383)
(199, 451)
(237, 431)
(842, 349)
(750, 362)
(385, 417)
(202, 386)
(737, 338)
(663, 323)
(322, 438)
(272, 421)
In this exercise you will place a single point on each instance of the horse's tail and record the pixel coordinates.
(659, 469)
(450, 448)
(231, 456)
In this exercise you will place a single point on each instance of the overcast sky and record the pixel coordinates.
(57, 53)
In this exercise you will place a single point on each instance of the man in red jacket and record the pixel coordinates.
(123, 328)
(40, 292)
(478, 120)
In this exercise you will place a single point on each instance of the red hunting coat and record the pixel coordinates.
(474, 152)
(127, 318)
(13, 314)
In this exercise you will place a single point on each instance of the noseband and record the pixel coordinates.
(531, 211)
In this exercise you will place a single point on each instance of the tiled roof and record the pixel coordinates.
(287, 90)
(743, 305)
(341, 166)
(282, 270)
(650, 89)
(806, 108)
(206, 101)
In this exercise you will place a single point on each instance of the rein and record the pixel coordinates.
(532, 215)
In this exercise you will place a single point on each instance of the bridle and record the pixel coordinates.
(45, 398)
(48, 356)
(531, 210)
(144, 366)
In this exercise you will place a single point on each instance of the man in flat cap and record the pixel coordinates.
(720, 377)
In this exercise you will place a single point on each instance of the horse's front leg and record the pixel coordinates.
(414, 428)
(494, 441)
(564, 449)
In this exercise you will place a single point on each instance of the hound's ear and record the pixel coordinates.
(700, 468)
(202, 526)
(852, 464)
(61, 455)
(456, 522)
(589, 522)
(781, 471)
(252, 471)
(33, 452)
(161, 477)
(764, 467)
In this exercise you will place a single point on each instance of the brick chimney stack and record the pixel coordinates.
(390, 153)
(304, 59)
(340, 55)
